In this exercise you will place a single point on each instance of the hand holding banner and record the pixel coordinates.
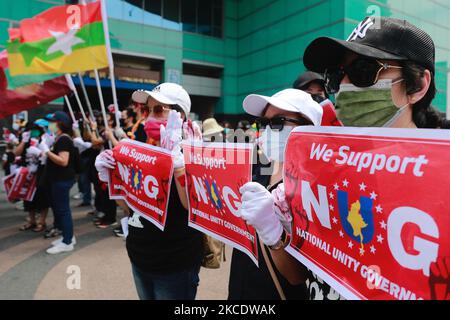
(369, 207)
(214, 174)
(142, 177)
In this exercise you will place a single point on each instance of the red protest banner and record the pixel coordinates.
(142, 177)
(214, 174)
(370, 215)
(24, 185)
(7, 184)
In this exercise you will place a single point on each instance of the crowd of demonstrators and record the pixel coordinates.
(376, 81)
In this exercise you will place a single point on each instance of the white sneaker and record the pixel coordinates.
(60, 247)
(54, 243)
(77, 196)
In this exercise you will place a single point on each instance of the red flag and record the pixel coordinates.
(29, 96)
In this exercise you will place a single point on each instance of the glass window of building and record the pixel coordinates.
(188, 15)
(204, 21)
(153, 12)
(196, 16)
(133, 11)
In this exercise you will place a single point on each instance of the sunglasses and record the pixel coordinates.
(159, 110)
(277, 123)
(362, 72)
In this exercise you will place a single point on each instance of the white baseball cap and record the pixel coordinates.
(290, 100)
(139, 96)
(172, 93)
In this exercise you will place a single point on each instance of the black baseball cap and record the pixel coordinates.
(380, 38)
(59, 116)
(306, 78)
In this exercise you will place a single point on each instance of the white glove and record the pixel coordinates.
(44, 147)
(119, 133)
(281, 208)
(43, 159)
(103, 163)
(193, 133)
(33, 152)
(81, 145)
(48, 139)
(32, 167)
(171, 138)
(257, 210)
(13, 139)
(26, 136)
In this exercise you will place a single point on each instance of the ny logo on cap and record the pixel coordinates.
(361, 29)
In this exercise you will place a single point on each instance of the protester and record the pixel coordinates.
(313, 83)
(8, 158)
(165, 264)
(139, 102)
(212, 131)
(128, 120)
(60, 176)
(278, 115)
(380, 81)
(35, 162)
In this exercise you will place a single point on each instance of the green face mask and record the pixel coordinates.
(35, 134)
(53, 128)
(367, 107)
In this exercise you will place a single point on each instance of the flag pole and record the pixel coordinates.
(111, 63)
(102, 103)
(70, 109)
(74, 89)
(86, 97)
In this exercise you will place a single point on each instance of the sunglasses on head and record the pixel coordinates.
(362, 72)
(278, 123)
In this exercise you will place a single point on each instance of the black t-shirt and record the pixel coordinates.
(56, 172)
(177, 248)
(140, 134)
(249, 282)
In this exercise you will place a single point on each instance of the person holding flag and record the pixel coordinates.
(60, 176)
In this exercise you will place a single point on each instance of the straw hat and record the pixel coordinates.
(211, 127)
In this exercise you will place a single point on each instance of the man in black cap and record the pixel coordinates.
(313, 83)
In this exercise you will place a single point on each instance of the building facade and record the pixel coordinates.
(223, 50)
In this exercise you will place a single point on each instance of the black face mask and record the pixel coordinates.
(318, 98)
(122, 123)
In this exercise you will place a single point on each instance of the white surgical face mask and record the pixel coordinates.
(273, 142)
(15, 126)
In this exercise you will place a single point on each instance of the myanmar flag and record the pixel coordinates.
(63, 39)
(16, 99)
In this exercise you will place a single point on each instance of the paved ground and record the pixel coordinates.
(28, 272)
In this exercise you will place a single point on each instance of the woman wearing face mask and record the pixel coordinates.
(60, 176)
(278, 116)
(35, 162)
(165, 264)
(385, 77)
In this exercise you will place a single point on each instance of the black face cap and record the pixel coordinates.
(306, 78)
(379, 38)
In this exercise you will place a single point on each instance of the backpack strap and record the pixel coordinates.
(275, 280)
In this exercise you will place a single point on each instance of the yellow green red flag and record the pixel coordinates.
(63, 39)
